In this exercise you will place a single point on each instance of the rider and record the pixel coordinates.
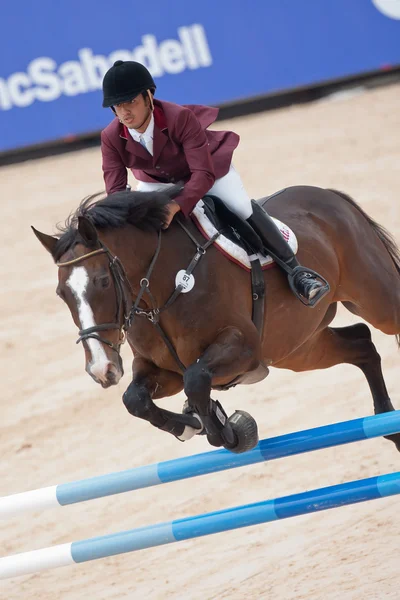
(165, 143)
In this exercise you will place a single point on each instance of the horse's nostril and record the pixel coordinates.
(111, 376)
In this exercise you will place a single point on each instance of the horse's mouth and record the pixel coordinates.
(112, 377)
(106, 384)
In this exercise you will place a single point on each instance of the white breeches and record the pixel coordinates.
(229, 188)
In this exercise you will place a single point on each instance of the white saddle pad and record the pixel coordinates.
(232, 250)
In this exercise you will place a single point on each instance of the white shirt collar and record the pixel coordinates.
(147, 135)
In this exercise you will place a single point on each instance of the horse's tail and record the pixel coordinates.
(383, 234)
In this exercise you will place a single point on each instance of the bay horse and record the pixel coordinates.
(117, 273)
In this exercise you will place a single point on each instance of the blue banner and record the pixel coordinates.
(53, 55)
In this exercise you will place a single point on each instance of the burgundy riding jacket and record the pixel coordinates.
(183, 150)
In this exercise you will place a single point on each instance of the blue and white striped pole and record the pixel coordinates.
(206, 524)
(200, 464)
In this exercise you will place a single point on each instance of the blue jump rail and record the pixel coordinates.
(200, 464)
(201, 525)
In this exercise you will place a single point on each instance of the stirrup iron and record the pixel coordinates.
(295, 273)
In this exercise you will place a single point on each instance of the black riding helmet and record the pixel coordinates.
(124, 81)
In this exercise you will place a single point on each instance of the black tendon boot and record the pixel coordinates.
(307, 285)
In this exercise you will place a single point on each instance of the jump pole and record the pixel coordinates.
(200, 464)
(201, 525)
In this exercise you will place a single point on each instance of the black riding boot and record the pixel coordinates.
(307, 285)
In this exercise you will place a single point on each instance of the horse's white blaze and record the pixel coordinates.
(78, 282)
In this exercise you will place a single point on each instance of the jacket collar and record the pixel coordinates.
(159, 116)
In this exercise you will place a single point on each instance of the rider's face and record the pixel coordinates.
(135, 114)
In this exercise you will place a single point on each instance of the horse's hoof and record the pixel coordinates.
(245, 432)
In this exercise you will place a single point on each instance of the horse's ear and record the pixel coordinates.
(87, 231)
(48, 241)
(174, 190)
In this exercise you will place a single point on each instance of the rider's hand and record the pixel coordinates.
(173, 208)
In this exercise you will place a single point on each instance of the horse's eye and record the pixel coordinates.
(102, 281)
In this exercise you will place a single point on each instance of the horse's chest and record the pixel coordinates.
(147, 341)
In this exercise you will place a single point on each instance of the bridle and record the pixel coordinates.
(124, 295)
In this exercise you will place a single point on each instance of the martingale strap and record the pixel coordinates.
(154, 314)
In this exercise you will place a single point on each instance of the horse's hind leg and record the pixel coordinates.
(352, 345)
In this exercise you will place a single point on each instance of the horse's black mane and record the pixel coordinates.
(145, 210)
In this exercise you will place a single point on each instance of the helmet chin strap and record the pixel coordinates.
(150, 97)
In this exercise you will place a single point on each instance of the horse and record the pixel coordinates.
(117, 273)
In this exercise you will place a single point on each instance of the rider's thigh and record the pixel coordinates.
(231, 190)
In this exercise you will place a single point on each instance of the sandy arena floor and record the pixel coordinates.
(57, 425)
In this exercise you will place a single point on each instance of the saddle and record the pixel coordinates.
(237, 240)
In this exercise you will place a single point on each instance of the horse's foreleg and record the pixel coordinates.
(352, 345)
(150, 382)
(228, 356)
